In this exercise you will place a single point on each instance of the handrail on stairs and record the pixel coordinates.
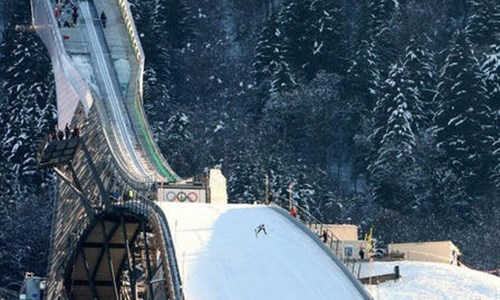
(309, 220)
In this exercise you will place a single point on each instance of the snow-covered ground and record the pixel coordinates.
(432, 281)
(220, 257)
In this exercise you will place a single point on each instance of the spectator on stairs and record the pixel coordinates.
(75, 17)
(67, 131)
(324, 236)
(103, 19)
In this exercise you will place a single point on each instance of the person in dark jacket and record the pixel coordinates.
(324, 236)
(75, 17)
(361, 253)
(76, 132)
(103, 19)
(67, 131)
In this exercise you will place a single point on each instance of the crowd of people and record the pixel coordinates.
(66, 13)
(59, 135)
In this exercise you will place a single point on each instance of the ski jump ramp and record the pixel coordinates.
(220, 257)
(96, 239)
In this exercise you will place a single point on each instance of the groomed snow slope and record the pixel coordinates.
(433, 281)
(220, 257)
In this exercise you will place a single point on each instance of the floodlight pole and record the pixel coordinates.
(266, 195)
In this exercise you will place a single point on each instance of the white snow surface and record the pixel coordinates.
(219, 256)
(432, 281)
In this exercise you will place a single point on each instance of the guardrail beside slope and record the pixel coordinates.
(71, 83)
(320, 244)
(155, 214)
(137, 99)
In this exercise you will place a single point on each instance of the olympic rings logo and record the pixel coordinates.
(181, 196)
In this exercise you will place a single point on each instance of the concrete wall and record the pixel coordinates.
(343, 232)
(178, 193)
(217, 187)
(426, 251)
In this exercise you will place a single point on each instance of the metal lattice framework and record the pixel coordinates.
(124, 250)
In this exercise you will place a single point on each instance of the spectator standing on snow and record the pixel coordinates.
(261, 227)
(453, 257)
(361, 253)
(293, 212)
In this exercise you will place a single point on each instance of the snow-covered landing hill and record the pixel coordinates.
(220, 257)
(432, 281)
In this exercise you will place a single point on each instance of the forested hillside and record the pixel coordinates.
(381, 113)
(27, 111)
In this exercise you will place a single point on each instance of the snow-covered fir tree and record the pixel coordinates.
(463, 118)
(379, 24)
(491, 73)
(295, 20)
(282, 80)
(268, 53)
(329, 36)
(178, 141)
(483, 23)
(394, 139)
(172, 19)
(421, 69)
(364, 74)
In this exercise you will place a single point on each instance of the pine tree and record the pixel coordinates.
(172, 17)
(398, 109)
(491, 73)
(463, 120)
(364, 75)
(420, 65)
(282, 80)
(379, 24)
(143, 13)
(484, 22)
(394, 139)
(295, 19)
(329, 37)
(268, 53)
(177, 141)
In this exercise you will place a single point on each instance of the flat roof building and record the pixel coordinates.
(440, 251)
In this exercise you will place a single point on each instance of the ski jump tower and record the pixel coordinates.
(109, 239)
